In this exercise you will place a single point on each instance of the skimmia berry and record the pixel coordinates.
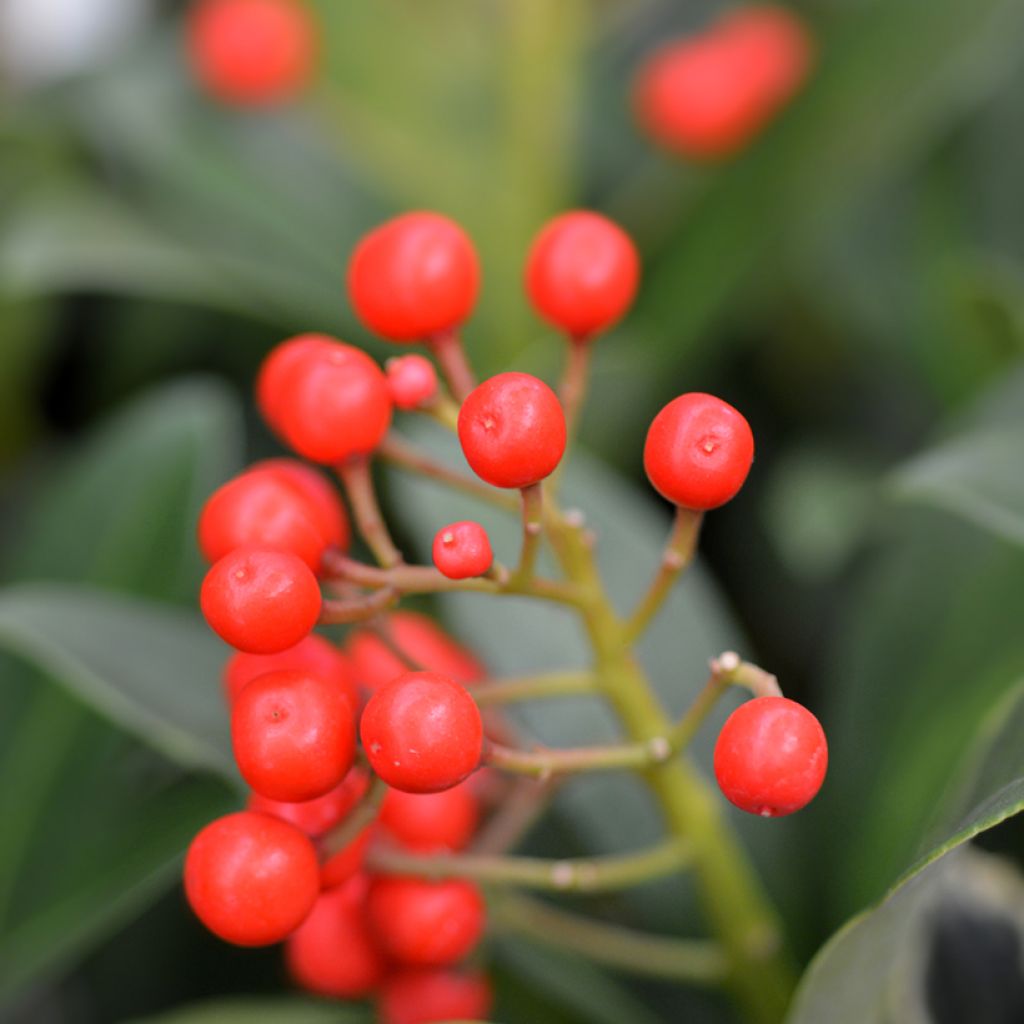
(462, 550)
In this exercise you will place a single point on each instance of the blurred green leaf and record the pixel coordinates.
(853, 978)
(263, 1011)
(152, 670)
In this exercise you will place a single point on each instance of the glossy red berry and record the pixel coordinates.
(412, 380)
(425, 924)
(267, 508)
(699, 451)
(313, 655)
(512, 430)
(333, 953)
(317, 816)
(252, 52)
(320, 492)
(462, 550)
(582, 273)
(431, 821)
(271, 395)
(414, 277)
(429, 996)
(261, 601)
(330, 402)
(771, 757)
(293, 735)
(251, 879)
(422, 733)
(414, 641)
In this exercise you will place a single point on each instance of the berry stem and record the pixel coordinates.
(723, 672)
(363, 815)
(545, 763)
(358, 482)
(336, 613)
(572, 391)
(676, 556)
(591, 874)
(543, 685)
(443, 410)
(451, 357)
(695, 961)
(533, 528)
(517, 813)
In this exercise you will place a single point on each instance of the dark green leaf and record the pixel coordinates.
(263, 1011)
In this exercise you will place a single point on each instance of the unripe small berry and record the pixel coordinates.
(462, 550)
(251, 879)
(412, 380)
(414, 277)
(582, 273)
(429, 822)
(425, 924)
(512, 430)
(293, 735)
(422, 733)
(429, 996)
(771, 757)
(260, 601)
(251, 52)
(332, 953)
(698, 452)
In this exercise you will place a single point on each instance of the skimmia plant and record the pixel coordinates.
(389, 791)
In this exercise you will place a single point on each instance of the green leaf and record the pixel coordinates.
(853, 978)
(153, 670)
(263, 1011)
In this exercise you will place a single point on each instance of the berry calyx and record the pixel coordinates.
(512, 430)
(261, 601)
(462, 550)
(317, 816)
(268, 507)
(698, 452)
(414, 277)
(425, 924)
(333, 953)
(329, 401)
(413, 641)
(422, 732)
(429, 822)
(429, 996)
(313, 655)
(582, 273)
(293, 735)
(251, 879)
(412, 380)
(251, 52)
(771, 757)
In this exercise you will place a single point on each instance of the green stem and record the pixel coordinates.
(591, 874)
(336, 613)
(358, 482)
(546, 763)
(572, 390)
(533, 527)
(695, 961)
(541, 686)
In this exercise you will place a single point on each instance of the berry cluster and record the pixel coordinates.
(363, 761)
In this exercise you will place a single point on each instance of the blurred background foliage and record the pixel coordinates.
(854, 282)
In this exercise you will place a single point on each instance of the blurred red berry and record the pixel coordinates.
(271, 395)
(251, 879)
(462, 550)
(699, 451)
(293, 735)
(260, 601)
(412, 380)
(317, 816)
(582, 273)
(251, 52)
(422, 733)
(320, 492)
(338, 868)
(414, 277)
(430, 996)
(431, 821)
(771, 757)
(512, 430)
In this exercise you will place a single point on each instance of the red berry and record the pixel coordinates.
(429, 996)
(414, 277)
(512, 430)
(321, 494)
(313, 655)
(319, 815)
(271, 396)
(771, 757)
(293, 735)
(425, 924)
(263, 507)
(333, 953)
(422, 732)
(334, 403)
(260, 601)
(582, 273)
(462, 550)
(698, 452)
(251, 879)
(431, 821)
(412, 380)
(252, 52)
(344, 865)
